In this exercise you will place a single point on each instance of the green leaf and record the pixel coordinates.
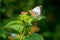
(2, 33)
(34, 36)
(15, 25)
(41, 17)
(18, 28)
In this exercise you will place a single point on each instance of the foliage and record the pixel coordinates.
(22, 26)
(10, 9)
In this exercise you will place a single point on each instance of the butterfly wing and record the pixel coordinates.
(37, 11)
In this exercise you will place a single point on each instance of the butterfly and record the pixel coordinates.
(36, 11)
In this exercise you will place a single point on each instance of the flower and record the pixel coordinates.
(23, 12)
(24, 17)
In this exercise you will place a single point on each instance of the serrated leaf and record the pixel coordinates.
(15, 25)
(41, 17)
(18, 28)
(34, 36)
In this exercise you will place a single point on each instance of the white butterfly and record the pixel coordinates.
(37, 10)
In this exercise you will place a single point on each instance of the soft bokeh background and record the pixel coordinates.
(49, 26)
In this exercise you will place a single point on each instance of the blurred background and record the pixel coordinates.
(49, 26)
